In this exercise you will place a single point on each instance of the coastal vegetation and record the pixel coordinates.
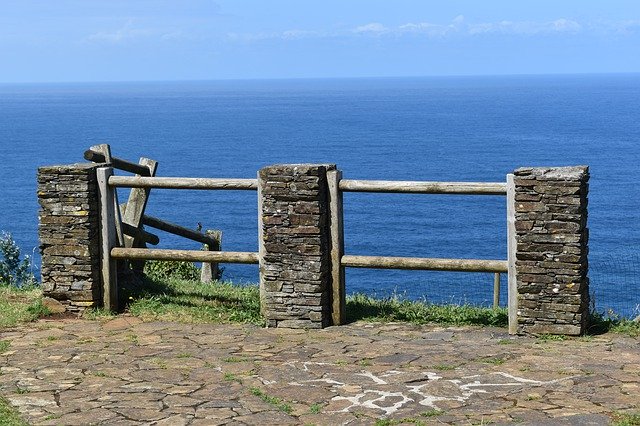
(172, 291)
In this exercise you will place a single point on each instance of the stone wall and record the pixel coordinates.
(69, 234)
(295, 264)
(552, 247)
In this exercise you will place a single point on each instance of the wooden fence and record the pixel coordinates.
(340, 260)
(114, 246)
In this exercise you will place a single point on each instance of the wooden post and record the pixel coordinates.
(496, 290)
(137, 202)
(108, 239)
(512, 286)
(261, 249)
(338, 293)
(210, 271)
(134, 212)
(105, 150)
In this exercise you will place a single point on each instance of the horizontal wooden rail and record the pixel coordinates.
(118, 163)
(417, 187)
(183, 183)
(181, 231)
(432, 264)
(185, 255)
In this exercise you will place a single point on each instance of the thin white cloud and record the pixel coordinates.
(123, 34)
(457, 27)
(561, 25)
(372, 28)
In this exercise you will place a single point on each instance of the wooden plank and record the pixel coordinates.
(496, 290)
(142, 235)
(103, 151)
(183, 183)
(210, 271)
(512, 286)
(338, 294)
(261, 249)
(137, 202)
(181, 231)
(423, 263)
(185, 255)
(417, 187)
(108, 240)
(96, 155)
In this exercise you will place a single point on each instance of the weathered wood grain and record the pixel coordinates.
(96, 156)
(185, 255)
(417, 187)
(178, 230)
(512, 287)
(183, 183)
(108, 240)
(424, 263)
(336, 225)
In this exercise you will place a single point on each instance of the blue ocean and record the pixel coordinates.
(443, 129)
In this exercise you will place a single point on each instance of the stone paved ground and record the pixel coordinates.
(125, 372)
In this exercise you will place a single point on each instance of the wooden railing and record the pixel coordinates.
(144, 181)
(340, 260)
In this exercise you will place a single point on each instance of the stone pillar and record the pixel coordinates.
(69, 235)
(552, 247)
(295, 270)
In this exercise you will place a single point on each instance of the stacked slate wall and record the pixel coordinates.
(295, 265)
(552, 248)
(69, 235)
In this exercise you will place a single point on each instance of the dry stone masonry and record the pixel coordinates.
(295, 244)
(69, 234)
(295, 265)
(552, 247)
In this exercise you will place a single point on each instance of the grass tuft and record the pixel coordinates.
(19, 305)
(363, 307)
(9, 416)
(191, 301)
(276, 402)
(600, 323)
(626, 419)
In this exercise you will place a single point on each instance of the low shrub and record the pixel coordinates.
(165, 269)
(13, 270)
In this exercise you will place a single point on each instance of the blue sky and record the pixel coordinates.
(134, 40)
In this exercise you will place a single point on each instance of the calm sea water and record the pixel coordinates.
(448, 129)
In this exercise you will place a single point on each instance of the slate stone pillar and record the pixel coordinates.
(552, 247)
(69, 234)
(294, 245)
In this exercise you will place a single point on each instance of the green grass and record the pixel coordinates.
(276, 402)
(230, 377)
(315, 408)
(551, 337)
(19, 305)
(444, 367)
(601, 323)
(190, 301)
(626, 419)
(9, 416)
(363, 307)
(494, 361)
(4, 345)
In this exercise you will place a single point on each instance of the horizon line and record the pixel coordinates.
(372, 77)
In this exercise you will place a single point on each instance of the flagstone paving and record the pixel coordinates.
(128, 372)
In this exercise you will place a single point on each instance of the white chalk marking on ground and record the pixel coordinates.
(370, 375)
(356, 401)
